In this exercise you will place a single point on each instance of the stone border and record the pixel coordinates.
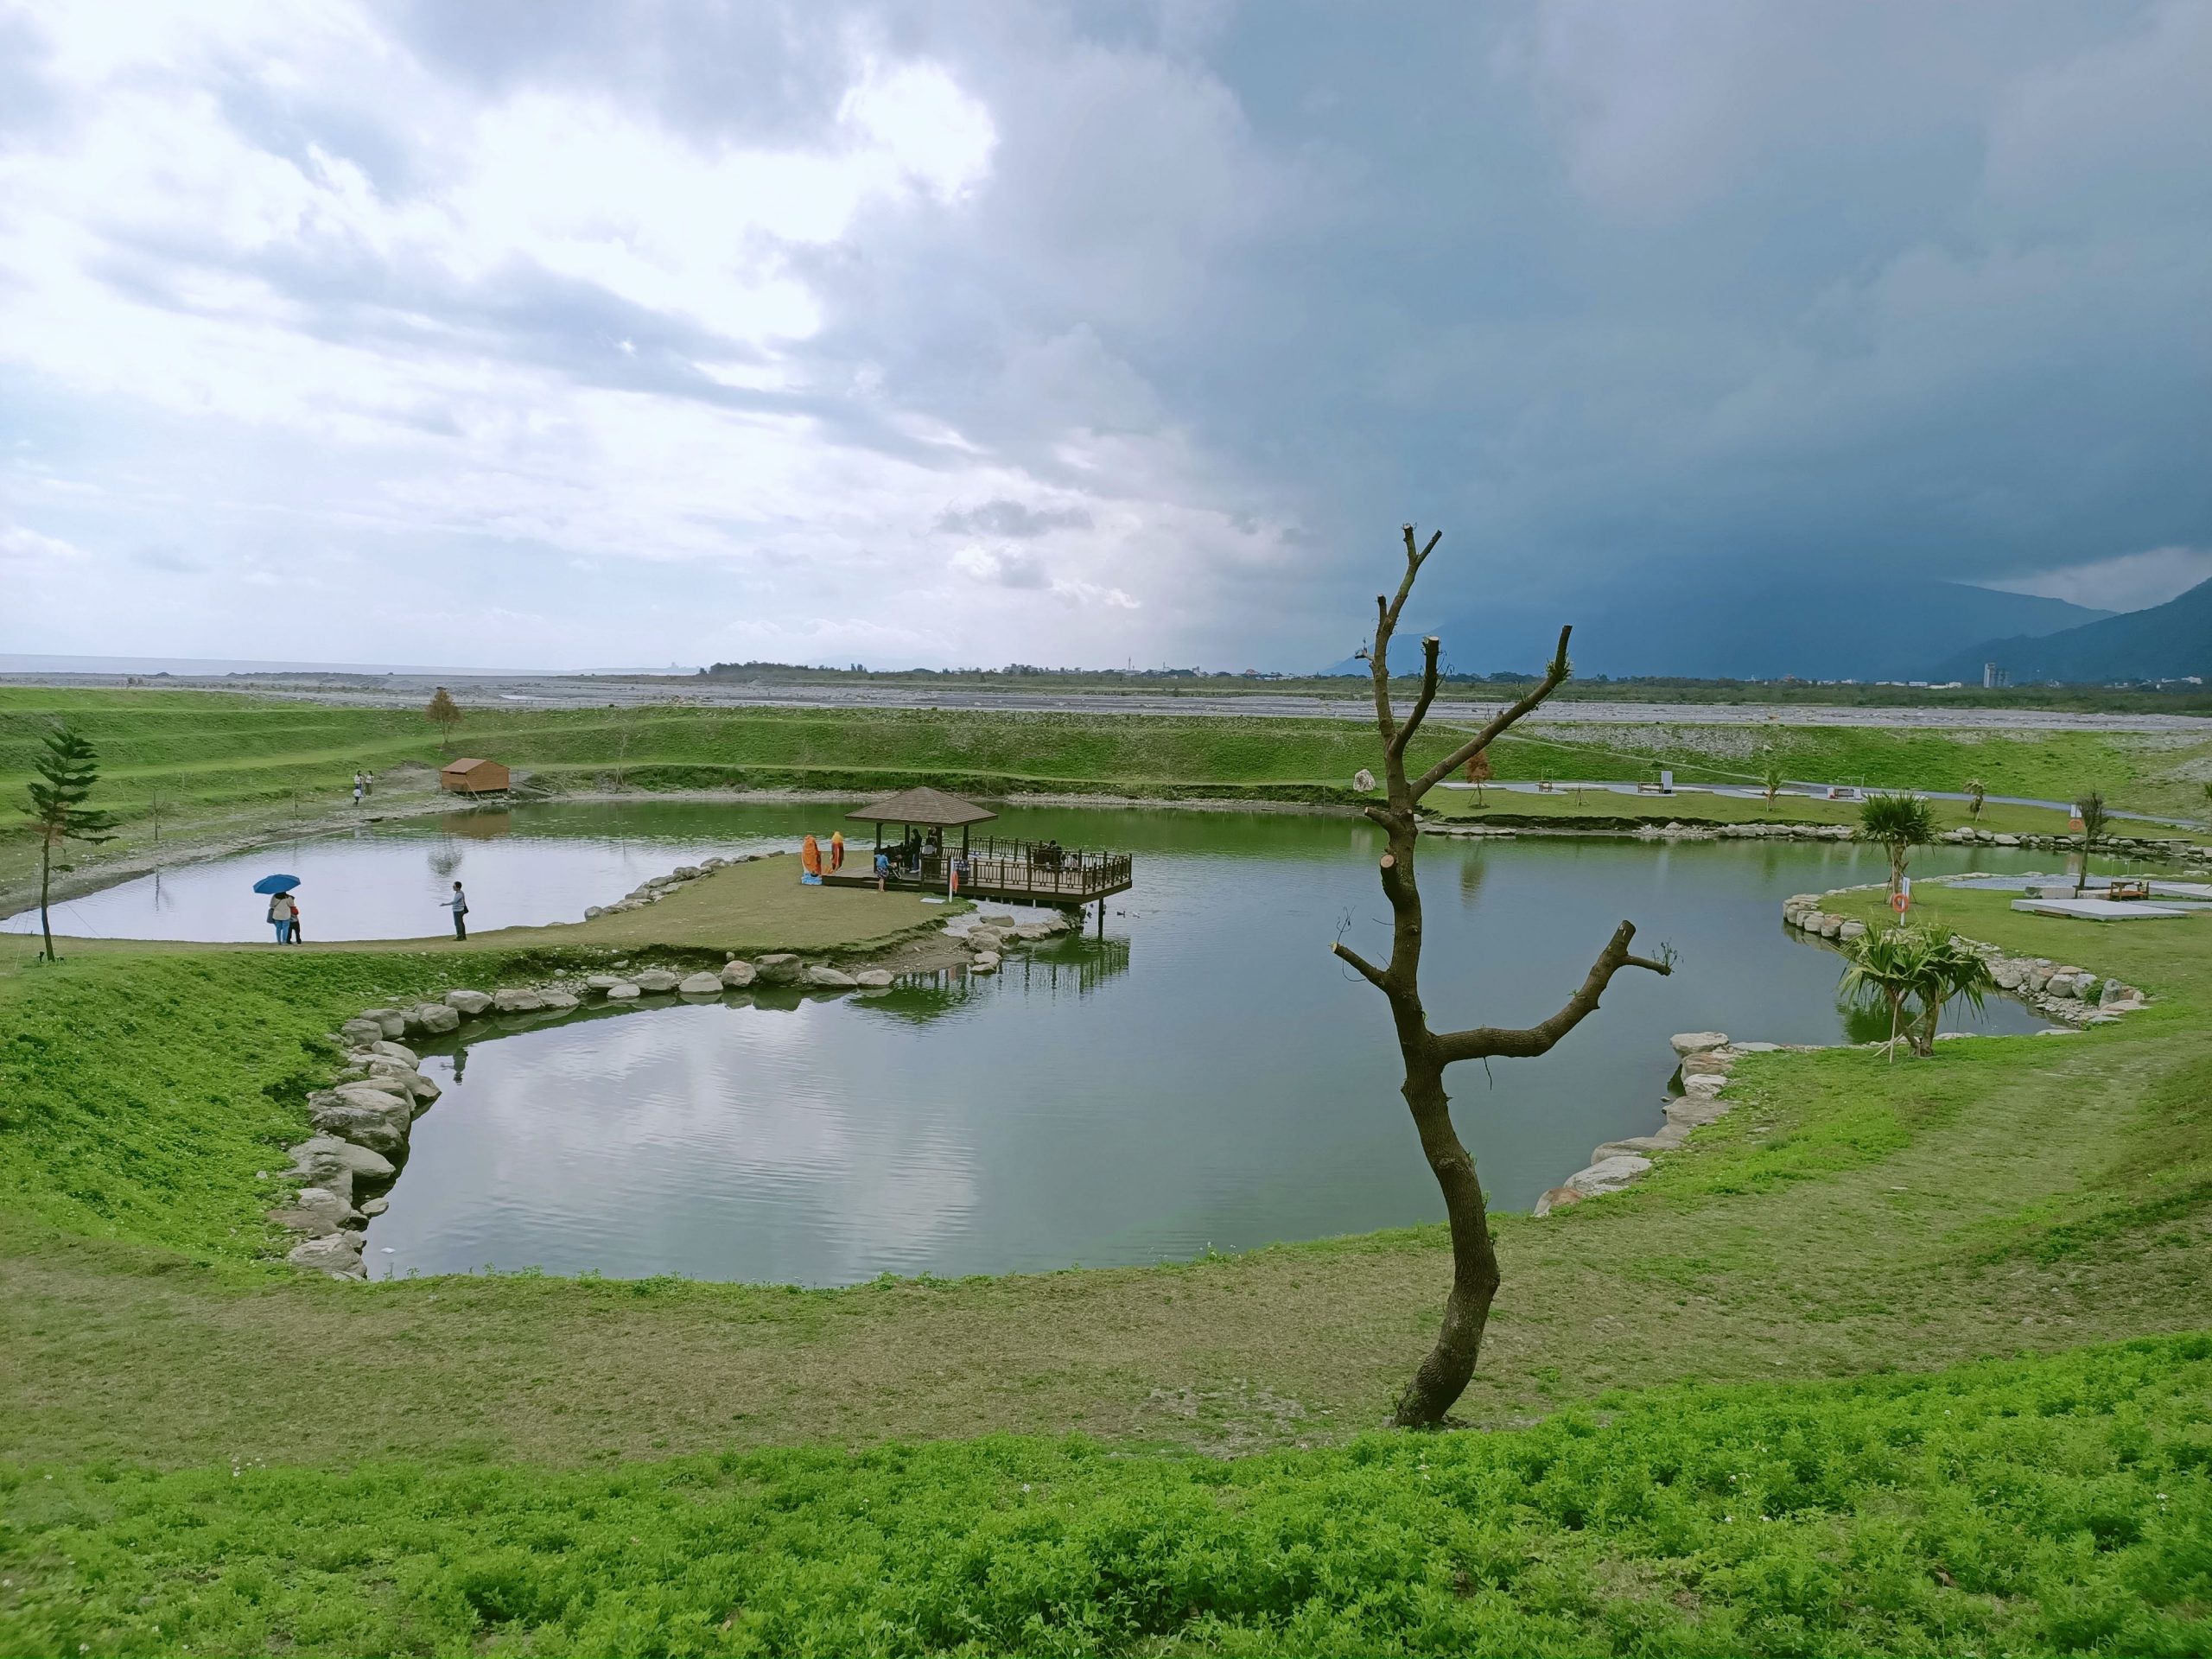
(2074, 996)
(2060, 992)
(363, 1120)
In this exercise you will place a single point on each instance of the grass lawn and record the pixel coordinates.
(516, 1462)
(215, 762)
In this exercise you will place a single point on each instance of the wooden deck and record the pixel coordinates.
(1015, 872)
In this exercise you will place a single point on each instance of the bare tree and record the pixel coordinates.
(1442, 1376)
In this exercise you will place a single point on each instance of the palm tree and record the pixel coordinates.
(1976, 793)
(2092, 809)
(1770, 782)
(64, 772)
(1914, 971)
(1897, 823)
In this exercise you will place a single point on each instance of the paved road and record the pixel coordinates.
(1799, 788)
(575, 691)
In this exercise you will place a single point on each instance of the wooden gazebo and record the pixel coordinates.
(1022, 871)
(930, 811)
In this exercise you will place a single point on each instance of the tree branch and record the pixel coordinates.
(1428, 650)
(1554, 677)
(1386, 625)
(1368, 970)
(1483, 1041)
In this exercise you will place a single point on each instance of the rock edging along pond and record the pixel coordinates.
(2074, 995)
(362, 1121)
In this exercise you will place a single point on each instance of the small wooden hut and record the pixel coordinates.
(473, 776)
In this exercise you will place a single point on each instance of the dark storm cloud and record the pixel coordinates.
(1634, 299)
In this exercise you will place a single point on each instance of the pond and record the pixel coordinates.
(1205, 1075)
(388, 879)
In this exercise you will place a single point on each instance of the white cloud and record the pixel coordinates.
(21, 545)
(2126, 582)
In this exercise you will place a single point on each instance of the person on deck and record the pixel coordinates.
(459, 904)
(882, 870)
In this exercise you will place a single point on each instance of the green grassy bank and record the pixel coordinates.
(208, 759)
(526, 1463)
(2059, 1506)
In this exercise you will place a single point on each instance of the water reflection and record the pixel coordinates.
(1094, 1102)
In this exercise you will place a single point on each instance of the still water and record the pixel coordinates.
(1205, 1075)
(389, 880)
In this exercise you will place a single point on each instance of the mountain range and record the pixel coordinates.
(2166, 642)
(1814, 629)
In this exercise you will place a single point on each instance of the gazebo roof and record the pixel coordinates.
(924, 805)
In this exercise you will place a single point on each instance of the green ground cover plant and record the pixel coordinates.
(2060, 1504)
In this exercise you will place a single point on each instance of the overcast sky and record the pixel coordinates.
(517, 333)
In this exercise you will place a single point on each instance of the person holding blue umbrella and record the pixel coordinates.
(282, 910)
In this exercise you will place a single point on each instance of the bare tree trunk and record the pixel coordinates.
(1443, 1375)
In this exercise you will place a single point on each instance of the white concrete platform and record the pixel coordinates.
(2099, 910)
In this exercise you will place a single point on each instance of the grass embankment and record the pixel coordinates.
(2015, 1196)
(2061, 1505)
(214, 761)
(145, 1089)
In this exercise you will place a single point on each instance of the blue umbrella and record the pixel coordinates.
(277, 884)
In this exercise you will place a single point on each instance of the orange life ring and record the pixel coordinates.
(1899, 901)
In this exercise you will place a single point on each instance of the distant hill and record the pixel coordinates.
(1708, 629)
(2163, 643)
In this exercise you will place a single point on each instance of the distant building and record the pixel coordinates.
(1993, 677)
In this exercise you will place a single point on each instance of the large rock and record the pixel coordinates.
(338, 1254)
(873, 979)
(468, 1003)
(602, 981)
(624, 992)
(321, 1158)
(984, 939)
(361, 1029)
(392, 1051)
(2118, 995)
(316, 1210)
(778, 968)
(829, 979)
(560, 1000)
(1710, 1064)
(986, 963)
(1608, 1175)
(391, 1022)
(1559, 1197)
(510, 999)
(1639, 1146)
(656, 980)
(434, 1018)
(700, 984)
(1695, 1111)
(736, 975)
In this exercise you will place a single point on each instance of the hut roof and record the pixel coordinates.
(923, 805)
(462, 764)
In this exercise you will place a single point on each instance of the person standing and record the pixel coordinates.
(357, 791)
(280, 916)
(292, 933)
(368, 783)
(459, 904)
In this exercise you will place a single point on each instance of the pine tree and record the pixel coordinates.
(67, 769)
